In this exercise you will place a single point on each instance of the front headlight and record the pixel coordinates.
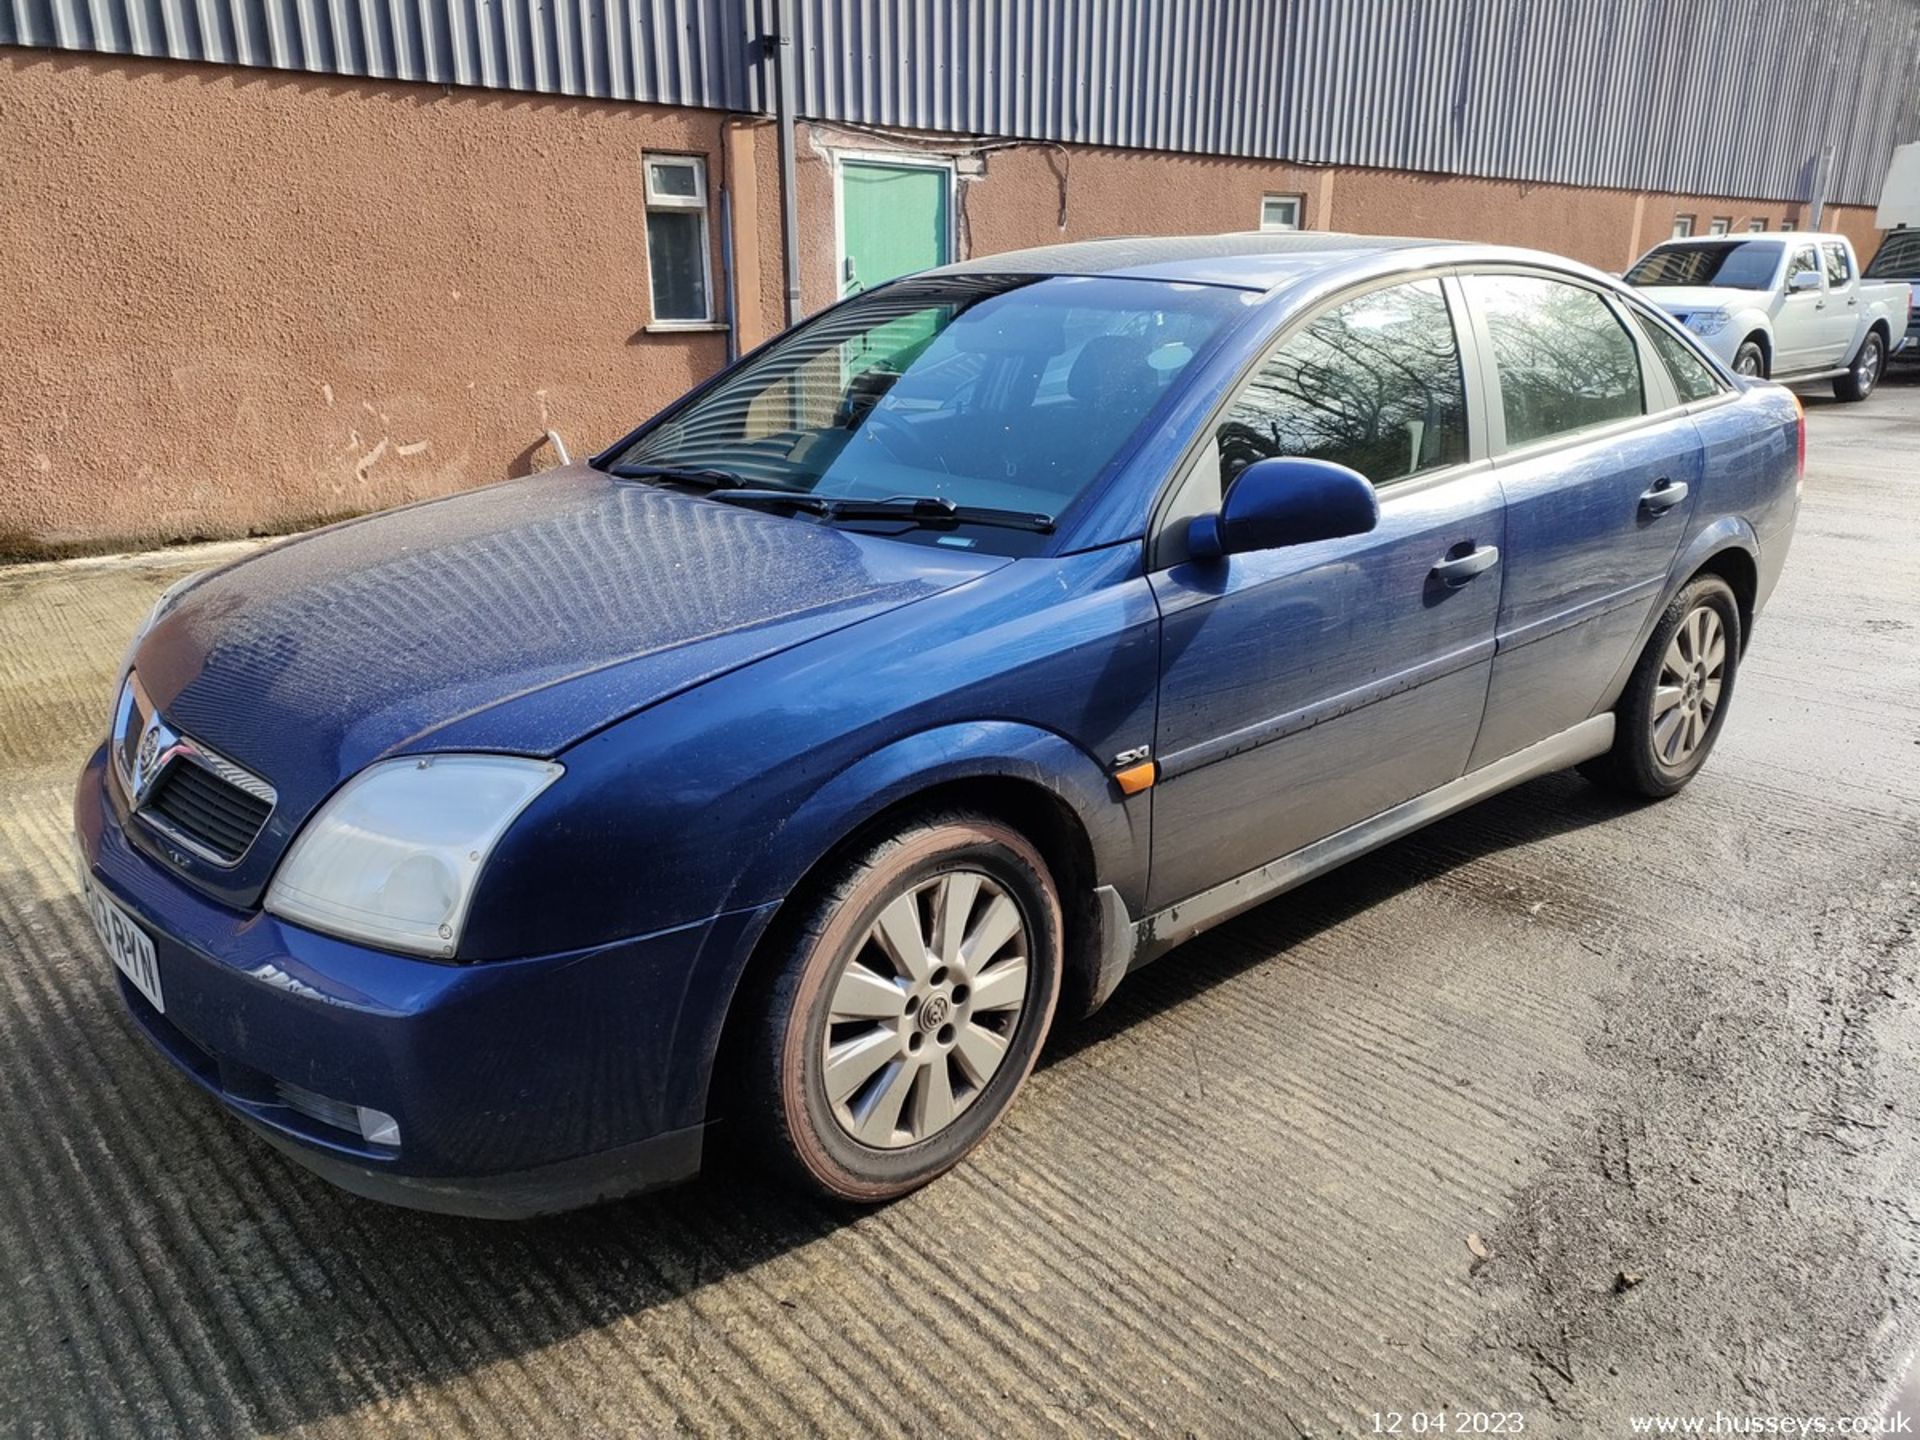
(1707, 322)
(393, 857)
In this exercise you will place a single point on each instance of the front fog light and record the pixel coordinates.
(393, 857)
(377, 1127)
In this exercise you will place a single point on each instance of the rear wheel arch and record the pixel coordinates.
(1742, 573)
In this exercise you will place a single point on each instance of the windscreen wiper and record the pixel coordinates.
(917, 509)
(709, 476)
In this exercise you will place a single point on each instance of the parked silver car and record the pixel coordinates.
(1791, 306)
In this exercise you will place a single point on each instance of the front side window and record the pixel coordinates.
(1839, 267)
(677, 238)
(1564, 360)
(1373, 384)
(1743, 265)
(1692, 378)
(1802, 262)
(995, 392)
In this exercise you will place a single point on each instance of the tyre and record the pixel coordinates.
(912, 999)
(1858, 382)
(1676, 699)
(1750, 359)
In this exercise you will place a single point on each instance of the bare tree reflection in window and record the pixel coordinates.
(1373, 384)
(1565, 361)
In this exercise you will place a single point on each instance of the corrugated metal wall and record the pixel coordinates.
(1732, 97)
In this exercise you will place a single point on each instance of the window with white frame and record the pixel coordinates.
(1281, 212)
(1720, 225)
(1756, 227)
(678, 265)
(1682, 226)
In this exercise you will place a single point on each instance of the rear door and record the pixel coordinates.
(1601, 468)
(1841, 326)
(1307, 688)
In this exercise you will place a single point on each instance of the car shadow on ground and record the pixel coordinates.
(407, 1300)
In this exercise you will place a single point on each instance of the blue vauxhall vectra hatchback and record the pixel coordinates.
(790, 768)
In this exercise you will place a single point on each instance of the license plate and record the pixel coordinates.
(127, 944)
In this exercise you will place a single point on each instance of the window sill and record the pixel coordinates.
(684, 327)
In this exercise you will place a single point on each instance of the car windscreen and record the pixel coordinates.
(1898, 258)
(1743, 265)
(1009, 393)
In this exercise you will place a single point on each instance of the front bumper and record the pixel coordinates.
(519, 1086)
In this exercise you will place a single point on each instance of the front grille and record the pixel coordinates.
(205, 810)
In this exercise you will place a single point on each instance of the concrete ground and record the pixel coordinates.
(1387, 1145)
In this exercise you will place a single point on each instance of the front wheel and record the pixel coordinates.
(1864, 374)
(913, 999)
(1750, 360)
(1676, 700)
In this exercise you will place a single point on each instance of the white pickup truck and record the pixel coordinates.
(1790, 306)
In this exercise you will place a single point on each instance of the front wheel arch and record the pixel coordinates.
(1049, 821)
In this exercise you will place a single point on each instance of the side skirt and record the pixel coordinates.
(1161, 931)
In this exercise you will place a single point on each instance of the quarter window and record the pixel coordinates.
(1692, 379)
(677, 261)
(1565, 361)
(1374, 384)
(1839, 268)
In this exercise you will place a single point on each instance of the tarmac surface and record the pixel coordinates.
(1398, 1143)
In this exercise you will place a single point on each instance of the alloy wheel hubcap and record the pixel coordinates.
(1692, 673)
(924, 1010)
(1749, 365)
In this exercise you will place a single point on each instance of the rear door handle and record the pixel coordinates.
(1664, 496)
(1461, 568)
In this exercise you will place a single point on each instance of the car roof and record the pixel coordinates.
(1253, 261)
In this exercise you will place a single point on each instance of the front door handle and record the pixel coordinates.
(1663, 496)
(1457, 571)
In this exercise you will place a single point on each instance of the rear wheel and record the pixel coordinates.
(1676, 700)
(1858, 382)
(1750, 359)
(912, 1004)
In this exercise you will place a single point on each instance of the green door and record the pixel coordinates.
(893, 221)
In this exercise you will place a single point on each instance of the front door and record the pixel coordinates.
(1797, 320)
(1305, 689)
(1598, 498)
(894, 220)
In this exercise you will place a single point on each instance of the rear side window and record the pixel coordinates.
(1373, 384)
(1839, 268)
(1565, 361)
(1692, 379)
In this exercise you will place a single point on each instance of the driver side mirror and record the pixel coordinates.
(1275, 503)
(1804, 280)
